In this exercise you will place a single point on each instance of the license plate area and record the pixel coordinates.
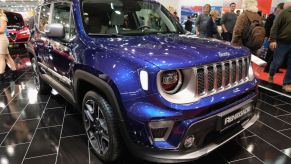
(233, 116)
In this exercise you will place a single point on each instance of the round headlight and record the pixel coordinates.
(171, 81)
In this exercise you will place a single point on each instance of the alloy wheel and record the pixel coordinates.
(96, 127)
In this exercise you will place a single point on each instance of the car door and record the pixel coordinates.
(60, 51)
(39, 39)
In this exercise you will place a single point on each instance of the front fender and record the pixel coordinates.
(101, 86)
(118, 69)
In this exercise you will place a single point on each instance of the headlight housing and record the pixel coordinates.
(171, 81)
(26, 31)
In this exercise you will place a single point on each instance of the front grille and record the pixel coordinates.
(240, 69)
(226, 74)
(12, 36)
(210, 78)
(22, 40)
(233, 71)
(218, 76)
(201, 79)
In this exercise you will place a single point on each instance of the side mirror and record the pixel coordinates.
(55, 30)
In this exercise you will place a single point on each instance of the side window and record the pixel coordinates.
(62, 14)
(44, 17)
(36, 18)
(72, 26)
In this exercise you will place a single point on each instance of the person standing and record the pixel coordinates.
(228, 22)
(243, 25)
(4, 42)
(189, 24)
(280, 39)
(201, 22)
(268, 26)
(211, 31)
(176, 16)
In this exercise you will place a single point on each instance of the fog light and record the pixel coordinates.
(189, 141)
(161, 129)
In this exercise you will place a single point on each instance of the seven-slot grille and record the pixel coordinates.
(222, 75)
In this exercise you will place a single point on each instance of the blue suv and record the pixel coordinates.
(139, 81)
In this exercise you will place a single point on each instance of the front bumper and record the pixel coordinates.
(17, 38)
(209, 138)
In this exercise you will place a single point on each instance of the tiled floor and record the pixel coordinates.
(46, 130)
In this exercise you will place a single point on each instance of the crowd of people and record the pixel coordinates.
(251, 30)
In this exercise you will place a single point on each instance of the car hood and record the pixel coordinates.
(174, 51)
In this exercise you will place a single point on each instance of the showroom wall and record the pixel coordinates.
(275, 2)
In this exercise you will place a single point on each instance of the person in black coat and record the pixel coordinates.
(211, 30)
(189, 24)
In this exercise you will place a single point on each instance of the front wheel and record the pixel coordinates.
(41, 86)
(101, 127)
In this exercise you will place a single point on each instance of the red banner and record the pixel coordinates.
(265, 6)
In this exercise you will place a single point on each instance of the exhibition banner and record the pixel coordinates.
(265, 6)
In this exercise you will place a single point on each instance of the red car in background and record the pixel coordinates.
(19, 32)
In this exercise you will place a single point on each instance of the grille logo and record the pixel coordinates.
(223, 54)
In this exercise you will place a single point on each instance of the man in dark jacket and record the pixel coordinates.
(268, 26)
(271, 18)
(228, 22)
(280, 39)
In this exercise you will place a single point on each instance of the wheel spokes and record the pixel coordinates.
(105, 137)
(103, 125)
(88, 115)
(96, 127)
(90, 106)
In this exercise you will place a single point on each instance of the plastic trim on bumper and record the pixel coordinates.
(175, 156)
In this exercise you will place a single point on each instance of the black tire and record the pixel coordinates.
(95, 129)
(41, 86)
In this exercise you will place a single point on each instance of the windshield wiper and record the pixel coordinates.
(163, 33)
(105, 35)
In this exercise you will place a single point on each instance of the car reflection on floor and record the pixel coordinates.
(20, 56)
(20, 132)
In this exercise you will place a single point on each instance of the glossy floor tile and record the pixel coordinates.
(45, 129)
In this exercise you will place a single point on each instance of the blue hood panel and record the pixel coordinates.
(174, 51)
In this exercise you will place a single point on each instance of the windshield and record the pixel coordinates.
(14, 20)
(127, 17)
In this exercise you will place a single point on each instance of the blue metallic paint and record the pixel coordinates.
(146, 109)
(120, 60)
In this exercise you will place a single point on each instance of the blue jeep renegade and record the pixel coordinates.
(139, 81)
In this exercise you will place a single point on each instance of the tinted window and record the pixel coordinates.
(14, 19)
(44, 17)
(62, 15)
(126, 17)
(36, 18)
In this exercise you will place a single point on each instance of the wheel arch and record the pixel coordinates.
(84, 82)
(31, 52)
